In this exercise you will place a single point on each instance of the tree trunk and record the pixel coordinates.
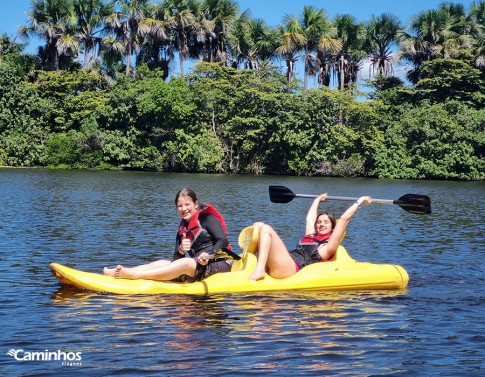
(305, 76)
(342, 72)
(181, 58)
(128, 60)
(86, 58)
(53, 59)
(289, 72)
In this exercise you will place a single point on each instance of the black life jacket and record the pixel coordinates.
(200, 238)
(307, 250)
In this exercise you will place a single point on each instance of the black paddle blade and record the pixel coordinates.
(415, 203)
(280, 194)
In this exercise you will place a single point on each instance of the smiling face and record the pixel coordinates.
(323, 225)
(186, 207)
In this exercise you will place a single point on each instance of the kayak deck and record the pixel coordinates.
(341, 273)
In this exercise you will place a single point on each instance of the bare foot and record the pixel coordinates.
(257, 275)
(123, 273)
(109, 271)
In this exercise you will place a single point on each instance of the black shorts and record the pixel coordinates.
(211, 268)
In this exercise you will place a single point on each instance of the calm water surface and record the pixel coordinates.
(92, 219)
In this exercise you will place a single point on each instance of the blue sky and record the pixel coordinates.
(272, 11)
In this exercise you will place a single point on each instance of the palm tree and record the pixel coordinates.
(381, 33)
(457, 31)
(203, 31)
(328, 47)
(222, 14)
(317, 33)
(55, 22)
(348, 60)
(90, 21)
(477, 12)
(477, 18)
(129, 25)
(111, 52)
(251, 42)
(434, 34)
(291, 41)
(157, 49)
(181, 19)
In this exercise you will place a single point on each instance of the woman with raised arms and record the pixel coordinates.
(323, 236)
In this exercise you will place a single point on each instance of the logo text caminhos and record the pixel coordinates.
(47, 355)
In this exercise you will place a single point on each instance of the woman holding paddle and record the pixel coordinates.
(323, 235)
(202, 235)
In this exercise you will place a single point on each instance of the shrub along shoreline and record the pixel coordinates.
(223, 120)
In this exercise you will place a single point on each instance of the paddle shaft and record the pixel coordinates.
(382, 201)
(413, 203)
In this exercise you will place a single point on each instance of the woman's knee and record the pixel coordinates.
(183, 264)
(189, 263)
(259, 224)
(266, 229)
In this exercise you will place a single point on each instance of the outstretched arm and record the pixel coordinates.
(341, 226)
(312, 214)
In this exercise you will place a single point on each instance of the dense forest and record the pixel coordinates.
(101, 92)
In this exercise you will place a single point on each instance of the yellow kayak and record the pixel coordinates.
(342, 273)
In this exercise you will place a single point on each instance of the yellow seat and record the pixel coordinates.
(248, 242)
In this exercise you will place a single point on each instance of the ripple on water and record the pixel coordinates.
(92, 219)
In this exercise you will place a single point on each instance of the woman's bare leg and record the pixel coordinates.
(158, 263)
(169, 271)
(272, 253)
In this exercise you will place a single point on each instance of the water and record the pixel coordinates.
(92, 219)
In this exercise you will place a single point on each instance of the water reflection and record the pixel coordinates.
(270, 330)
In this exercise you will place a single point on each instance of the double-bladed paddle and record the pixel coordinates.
(414, 203)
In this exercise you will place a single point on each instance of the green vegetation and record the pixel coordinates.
(235, 112)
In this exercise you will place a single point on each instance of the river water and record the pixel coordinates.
(93, 219)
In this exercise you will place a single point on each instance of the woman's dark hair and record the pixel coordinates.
(185, 191)
(330, 216)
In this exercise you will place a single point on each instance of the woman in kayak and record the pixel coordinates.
(202, 234)
(323, 235)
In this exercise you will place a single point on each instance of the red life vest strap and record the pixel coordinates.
(314, 238)
(194, 226)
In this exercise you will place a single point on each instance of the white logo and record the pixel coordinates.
(67, 358)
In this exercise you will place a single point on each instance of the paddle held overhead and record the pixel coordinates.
(413, 203)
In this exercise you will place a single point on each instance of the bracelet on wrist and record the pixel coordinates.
(358, 204)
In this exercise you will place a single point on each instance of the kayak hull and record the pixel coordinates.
(357, 276)
(342, 273)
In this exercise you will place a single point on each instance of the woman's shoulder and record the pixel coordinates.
(207, 218)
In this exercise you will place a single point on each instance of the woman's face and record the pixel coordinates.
(323, 225)
(186, 207)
